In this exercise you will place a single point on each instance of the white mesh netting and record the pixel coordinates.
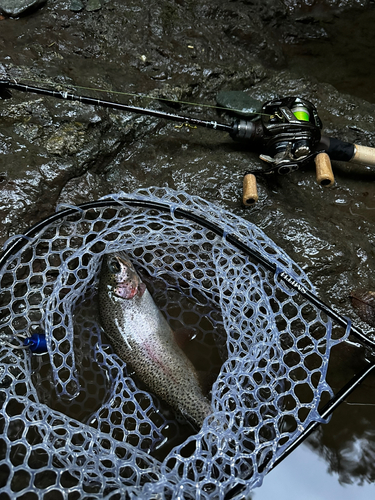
(75, 424)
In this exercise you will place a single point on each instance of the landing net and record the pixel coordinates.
(76, 423)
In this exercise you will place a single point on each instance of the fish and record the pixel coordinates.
(142, 337)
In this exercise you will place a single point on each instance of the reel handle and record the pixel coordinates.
(324, 173)
(250, 192)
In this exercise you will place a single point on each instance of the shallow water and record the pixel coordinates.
(304, 474)
(336, 461)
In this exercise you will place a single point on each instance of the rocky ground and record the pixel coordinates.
(54, 152)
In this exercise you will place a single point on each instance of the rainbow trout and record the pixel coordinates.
(142, 337)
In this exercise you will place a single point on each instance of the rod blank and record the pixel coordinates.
(7, 84)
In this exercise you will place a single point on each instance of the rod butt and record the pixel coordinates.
(364, 155)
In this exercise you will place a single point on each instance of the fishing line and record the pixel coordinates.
(364, 208)
(359, 404)
(213, 124)
(139, 96)
(9, 344)
(16, 336)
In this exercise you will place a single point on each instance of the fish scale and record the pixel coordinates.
(142, 338)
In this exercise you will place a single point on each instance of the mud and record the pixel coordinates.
(54, 152)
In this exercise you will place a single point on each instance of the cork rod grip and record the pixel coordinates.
(250, 193)
(324, 174)
(364, 155)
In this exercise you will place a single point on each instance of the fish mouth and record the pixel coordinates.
(126, 280)
(126, 290)
(129, 290)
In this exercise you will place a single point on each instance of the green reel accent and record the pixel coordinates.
(301, 113)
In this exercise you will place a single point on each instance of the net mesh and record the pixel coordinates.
(76, 423)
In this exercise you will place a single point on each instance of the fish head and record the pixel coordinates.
(121, 277)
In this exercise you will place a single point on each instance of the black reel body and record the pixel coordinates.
(287, 133)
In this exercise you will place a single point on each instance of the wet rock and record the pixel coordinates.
(17, 7)
(326, 4)
(363, 302)
(239, 102)
(68, 140)
(93, 5)
(76, 5)
(76, 189)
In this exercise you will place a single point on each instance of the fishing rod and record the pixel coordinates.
(7, 84)
(285, 132)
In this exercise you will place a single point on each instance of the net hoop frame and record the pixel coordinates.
(16, 244)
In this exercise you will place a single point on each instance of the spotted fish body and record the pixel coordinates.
(142, 337)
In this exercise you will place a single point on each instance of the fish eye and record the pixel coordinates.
(114, 266)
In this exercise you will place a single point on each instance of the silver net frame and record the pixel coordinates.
(269, 388)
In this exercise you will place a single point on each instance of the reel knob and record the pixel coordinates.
(324, 173)
(250, 192)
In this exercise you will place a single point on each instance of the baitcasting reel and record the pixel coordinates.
(288, 136)
(286, 132)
